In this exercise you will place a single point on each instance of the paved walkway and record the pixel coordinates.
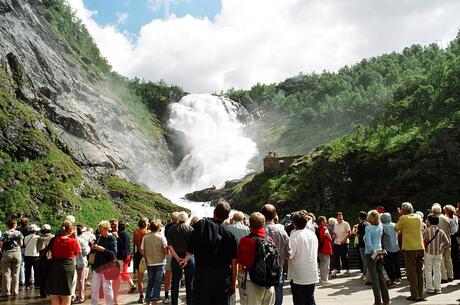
(343, 290)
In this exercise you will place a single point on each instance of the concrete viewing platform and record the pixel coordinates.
(342, 290)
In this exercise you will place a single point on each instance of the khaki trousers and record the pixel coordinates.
(414, 271)
(258, 295)
(11, 260)
(241, 291)
(447, 270)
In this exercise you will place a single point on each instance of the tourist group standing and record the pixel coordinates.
(215, 257)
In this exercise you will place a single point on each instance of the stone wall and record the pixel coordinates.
(275, 164)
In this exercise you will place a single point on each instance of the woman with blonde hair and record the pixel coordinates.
(105, 249)
(154, 248)
(64, 248)
(372, 241)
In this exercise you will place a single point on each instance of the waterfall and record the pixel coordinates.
(217, 148)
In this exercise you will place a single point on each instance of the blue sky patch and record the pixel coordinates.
(140, 12)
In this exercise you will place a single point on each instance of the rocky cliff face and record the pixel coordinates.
(43, 72)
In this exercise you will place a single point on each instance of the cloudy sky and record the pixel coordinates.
(212, 45)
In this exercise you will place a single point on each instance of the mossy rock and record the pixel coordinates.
(39, 179)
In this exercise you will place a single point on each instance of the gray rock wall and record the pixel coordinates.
(42, 72)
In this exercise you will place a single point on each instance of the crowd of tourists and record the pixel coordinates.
(216, 256)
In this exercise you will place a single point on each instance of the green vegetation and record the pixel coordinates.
(305, 111)
(39, 180)
(76, 37)
(146, 102)
(156, 96)
(408, 151)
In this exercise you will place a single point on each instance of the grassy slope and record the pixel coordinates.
(408, 152)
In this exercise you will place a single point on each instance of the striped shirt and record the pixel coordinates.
(280, 238)
(439, 241)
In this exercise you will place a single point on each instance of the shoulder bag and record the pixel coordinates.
(92, 254)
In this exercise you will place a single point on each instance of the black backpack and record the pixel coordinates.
(267, 268)
(10, 241)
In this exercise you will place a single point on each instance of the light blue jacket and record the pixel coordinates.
(373, 238)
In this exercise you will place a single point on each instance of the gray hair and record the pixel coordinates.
(407, 207)
(332, 221)
(436, 208)
(183, 216)
(174, 216)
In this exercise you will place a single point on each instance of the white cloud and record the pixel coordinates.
(269, 40)
(114, 45)
(122, 17)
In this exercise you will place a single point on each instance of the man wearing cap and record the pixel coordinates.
(42, 243)
(31, 256)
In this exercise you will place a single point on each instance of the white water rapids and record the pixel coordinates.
(218, 149)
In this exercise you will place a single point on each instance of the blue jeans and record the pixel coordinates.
(279, 290)
(155, 274)
(176, 270)
(362, 253)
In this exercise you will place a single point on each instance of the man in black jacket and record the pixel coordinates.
(214, 248)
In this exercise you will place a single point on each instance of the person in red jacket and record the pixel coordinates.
(254, 294)
(325, 249)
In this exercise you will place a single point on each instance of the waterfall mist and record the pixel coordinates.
(217, 148)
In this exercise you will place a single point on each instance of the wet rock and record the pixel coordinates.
(47, 92)
(100, 131)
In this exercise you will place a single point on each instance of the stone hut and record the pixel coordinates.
(275, 164)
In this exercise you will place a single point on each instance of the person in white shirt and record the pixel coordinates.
(303, 263)
(154, 248)
(342, 233)
(31, 255)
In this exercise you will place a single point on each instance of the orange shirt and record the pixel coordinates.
(138, 235)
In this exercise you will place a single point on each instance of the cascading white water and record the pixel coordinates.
(219, 151)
